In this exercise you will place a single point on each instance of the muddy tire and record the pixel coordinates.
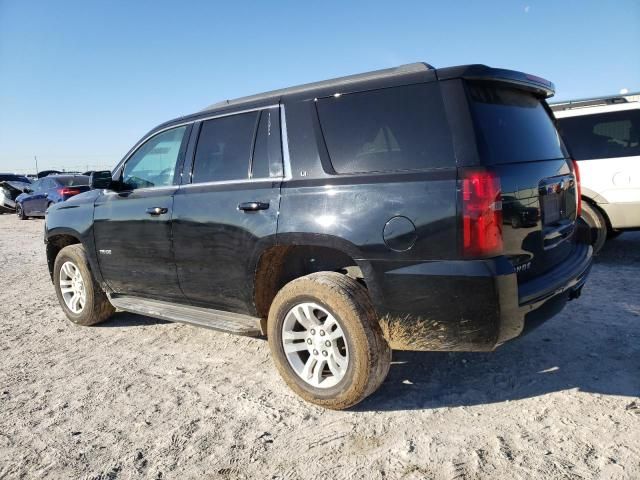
(81, 298)
(326, 341)
(597, 225)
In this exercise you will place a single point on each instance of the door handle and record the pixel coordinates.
(155, 211)
(253, 206)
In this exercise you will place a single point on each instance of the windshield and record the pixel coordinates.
(77, 181)
(604, 135)
(512, 125)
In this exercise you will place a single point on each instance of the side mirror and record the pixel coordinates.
(27, 190)
(101, 180)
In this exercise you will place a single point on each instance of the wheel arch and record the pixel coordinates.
(298, 255)
(56, 240)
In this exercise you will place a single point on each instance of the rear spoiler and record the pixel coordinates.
(537, 85)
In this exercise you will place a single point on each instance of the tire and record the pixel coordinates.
(597, 224)
(20, 212)
(360, 341)
(96, 307)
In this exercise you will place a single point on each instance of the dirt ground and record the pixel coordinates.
(140, 398)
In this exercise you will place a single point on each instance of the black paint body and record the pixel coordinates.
(205, 251)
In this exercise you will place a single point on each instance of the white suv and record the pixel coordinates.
(603, 135)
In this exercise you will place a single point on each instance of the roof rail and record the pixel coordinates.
(594, 101)
(334, 82)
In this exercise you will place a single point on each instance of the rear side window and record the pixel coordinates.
(512, 125)
(400, 128)
(604, 135)
(267, 154)
(224, 148)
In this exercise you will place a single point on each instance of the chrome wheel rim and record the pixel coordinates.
(72, 287)
(315, 345)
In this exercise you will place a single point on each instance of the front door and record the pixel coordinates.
(132, 225)
(227, 214)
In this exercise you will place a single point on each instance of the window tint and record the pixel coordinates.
(14, 178)
(512, 125)
(605, 135)
(224, 148)
(267, 154)
(154, 163)
(36, 186)
(402, 128)
(77, 180)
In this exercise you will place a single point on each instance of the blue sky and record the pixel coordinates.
(81, 81)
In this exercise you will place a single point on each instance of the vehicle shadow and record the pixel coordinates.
(547, 360)
(126, 319)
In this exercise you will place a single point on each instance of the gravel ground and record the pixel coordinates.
(140, 398)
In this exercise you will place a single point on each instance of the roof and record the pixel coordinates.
(331, 83)
(595, 101)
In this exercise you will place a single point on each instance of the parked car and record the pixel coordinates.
(11, 186)
(46, 191)
(341, 219)
(603, 135)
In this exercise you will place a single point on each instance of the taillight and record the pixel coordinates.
(69, 192)
(481, 214)
(576, 174)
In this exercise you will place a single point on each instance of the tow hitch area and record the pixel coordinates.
(575, 293)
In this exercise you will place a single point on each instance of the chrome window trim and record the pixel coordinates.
(122, 163)
(233, 182)
(285, 144)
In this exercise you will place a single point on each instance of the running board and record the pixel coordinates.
(228, 322)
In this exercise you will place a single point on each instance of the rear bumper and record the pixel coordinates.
(471, 305)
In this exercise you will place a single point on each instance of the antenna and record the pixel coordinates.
(36, 159)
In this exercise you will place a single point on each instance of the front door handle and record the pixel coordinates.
(155, 211)
(253, 206)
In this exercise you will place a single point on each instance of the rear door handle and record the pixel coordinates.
(253, 206)
(155, 211)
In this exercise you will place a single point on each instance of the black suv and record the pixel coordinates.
(410, 208)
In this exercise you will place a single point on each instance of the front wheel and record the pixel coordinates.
(20, 212)
(325, 340)
(80, 296)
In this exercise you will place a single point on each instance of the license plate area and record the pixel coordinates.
(551, 208)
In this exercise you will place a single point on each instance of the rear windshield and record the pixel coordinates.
(14, 178)
(76, 181)
(604, 135)
(512, 125)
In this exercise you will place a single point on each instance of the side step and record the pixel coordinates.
(235, 323)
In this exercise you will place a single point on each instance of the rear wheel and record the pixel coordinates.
(597, 224)
(325, 340)
(80, 296)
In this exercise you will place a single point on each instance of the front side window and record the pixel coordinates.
(394, 129)
(154, 163)
(605, 135)
(224, 148)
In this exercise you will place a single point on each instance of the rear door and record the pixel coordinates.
(226, 214)
(132, 227)
(35, 202)
(518, 141)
